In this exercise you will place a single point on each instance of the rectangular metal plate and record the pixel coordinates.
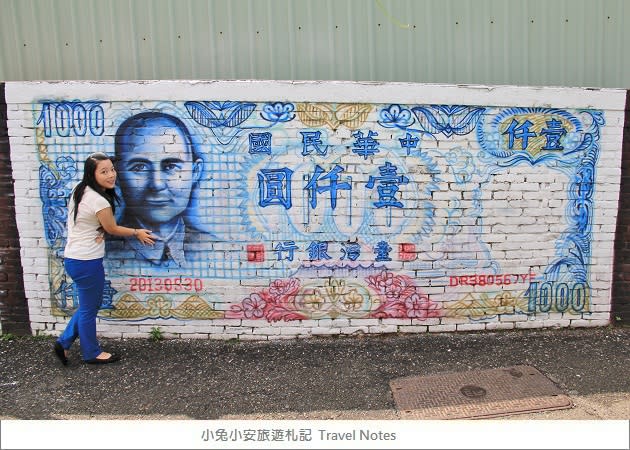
(477, 394)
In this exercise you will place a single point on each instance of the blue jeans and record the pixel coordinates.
(89, 277)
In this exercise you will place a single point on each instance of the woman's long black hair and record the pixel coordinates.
(89, 179)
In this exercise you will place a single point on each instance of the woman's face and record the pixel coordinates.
(105, 174)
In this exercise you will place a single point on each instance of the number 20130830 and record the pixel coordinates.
(165, 284)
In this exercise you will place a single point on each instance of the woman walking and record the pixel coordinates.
(91, 210)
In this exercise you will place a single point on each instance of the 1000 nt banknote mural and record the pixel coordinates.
(283, 211)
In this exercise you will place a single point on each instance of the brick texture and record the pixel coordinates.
(621, 276)
(324, 208)
(13, 306)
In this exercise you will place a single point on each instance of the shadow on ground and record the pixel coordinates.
(315, 378)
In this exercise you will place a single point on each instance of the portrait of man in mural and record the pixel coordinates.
(158, 167)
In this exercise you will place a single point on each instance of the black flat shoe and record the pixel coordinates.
(112, 359)
(61, 353)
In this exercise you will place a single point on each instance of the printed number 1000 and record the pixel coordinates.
(557, 296)
(76, 118)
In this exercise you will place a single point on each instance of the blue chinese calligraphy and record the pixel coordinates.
(350, 250)
(388, 186)
(409, 142)
(318, 251)
(520, 131)
(260, 143)
(287, 247)
(365, 145)
(311, 141)
(382, 250)
(537, 135)
(553, 133)
(274, 187)
(333, 186)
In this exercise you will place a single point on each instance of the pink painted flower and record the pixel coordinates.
(254, 306)
(282, 287)
(420, 307)
(389, 284)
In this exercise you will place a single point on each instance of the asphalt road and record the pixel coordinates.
(315, 378)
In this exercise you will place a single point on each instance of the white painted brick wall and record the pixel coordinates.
(508, 218)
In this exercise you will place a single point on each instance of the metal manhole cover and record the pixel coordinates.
(477, 394)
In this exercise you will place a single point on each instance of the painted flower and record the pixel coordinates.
(67, 167)
(451, 157)
(159, 307)
(353, 300)
(254, 306)
(389, 284)
(278, 112)
(315, 301)
(282, 287)
(395, 117)
(420, 307)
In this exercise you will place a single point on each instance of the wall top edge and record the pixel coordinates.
(317, 91)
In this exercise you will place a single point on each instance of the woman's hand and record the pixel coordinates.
(144, 236)
(108, 223)
(101, 235)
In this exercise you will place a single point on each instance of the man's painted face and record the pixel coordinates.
(157, 172)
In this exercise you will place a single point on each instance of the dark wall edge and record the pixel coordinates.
(620, 314)
(14, 317)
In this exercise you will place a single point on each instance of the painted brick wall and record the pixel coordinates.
(13, 306)
(291, 209)
(621, 279)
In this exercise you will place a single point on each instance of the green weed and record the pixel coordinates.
(7, 337)
(156, 334)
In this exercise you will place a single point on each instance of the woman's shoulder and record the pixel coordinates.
(94, 198)
(89, 191)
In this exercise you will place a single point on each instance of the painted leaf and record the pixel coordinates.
(314, 114)
(203, 115)
(240, 114)
(353, 115)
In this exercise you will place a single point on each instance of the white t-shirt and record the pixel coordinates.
(81, 243)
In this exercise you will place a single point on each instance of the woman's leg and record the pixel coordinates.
(89, 277)
(71, 333)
